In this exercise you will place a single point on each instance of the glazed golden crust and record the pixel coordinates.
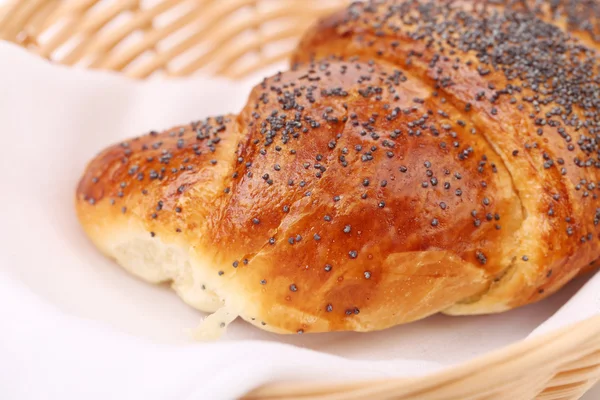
(529, 88)
(324, 207)
(369, 197)
(357, 195)
(156, 179)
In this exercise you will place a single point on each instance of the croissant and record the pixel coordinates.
(419, 157)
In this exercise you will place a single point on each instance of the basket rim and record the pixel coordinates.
(46, 28)
(528, 352)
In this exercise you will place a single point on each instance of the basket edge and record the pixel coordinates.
(570, 337)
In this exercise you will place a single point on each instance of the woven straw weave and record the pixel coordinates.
(234, 38)
(231, 38)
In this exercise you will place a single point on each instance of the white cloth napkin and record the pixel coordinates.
(75, 326)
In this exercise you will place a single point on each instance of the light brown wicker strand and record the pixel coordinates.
(552, 351)
(575, 386)
(21, 17)
(256, 27)
(34, 27)
(161, 59)
(83, 28)
(98, 48)
(8, 11)
(570, 391)
(583, 369)
(478, 381)
(149, 27)
(523, 387)
(224, 37)
(101, 45)
(295, 30)
(68, 10)
(228, 50)
(574, 378)
(221, 38)
(213, 15)
(253, 68)
(87, 28)
(70, 27)
(120, 59)
(583, 372)
(238, 50)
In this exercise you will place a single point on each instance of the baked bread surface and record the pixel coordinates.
(526, 75)
(418, 158)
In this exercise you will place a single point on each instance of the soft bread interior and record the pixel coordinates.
(158, 262)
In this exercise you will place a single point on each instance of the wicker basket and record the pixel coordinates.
(234, 38)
